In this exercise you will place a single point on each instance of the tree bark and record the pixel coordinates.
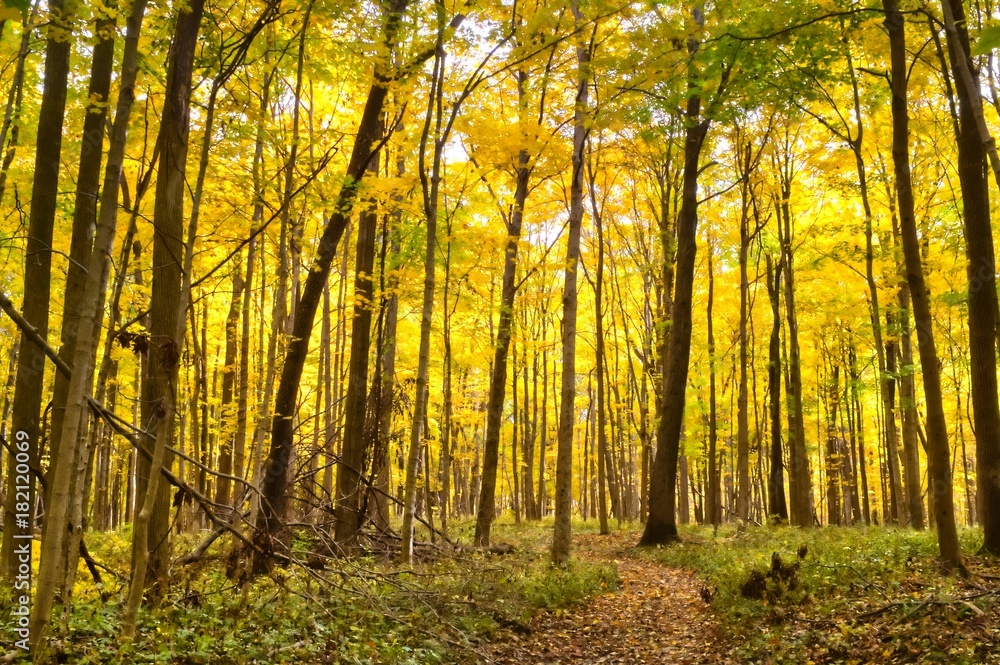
(661, 526)
(799, 477)
(281, 452)
(940, 487)
(495, 401)
(982, 288)
(150, 546)
(777, 508)
(714, 491)
(561, 537)
(29, 381)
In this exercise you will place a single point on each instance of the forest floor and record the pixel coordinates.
(763, 596)
(657, 615)
(772, 595)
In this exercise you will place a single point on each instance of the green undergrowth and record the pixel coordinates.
(360, 610)
(842, 595)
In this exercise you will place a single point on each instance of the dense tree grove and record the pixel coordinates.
(364, 270)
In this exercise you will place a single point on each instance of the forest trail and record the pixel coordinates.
(657, 615)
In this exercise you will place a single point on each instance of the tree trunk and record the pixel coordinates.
(274, 501)
(714, 491)
(982, 290)
(799, 477)
(777, 508)
(660, 526)
(349, 490)
(150, 547)
(29, 381)
(495, 403)
(940, 486)
(225, 461)
(561, 537)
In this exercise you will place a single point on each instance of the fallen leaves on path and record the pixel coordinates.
(656, 616)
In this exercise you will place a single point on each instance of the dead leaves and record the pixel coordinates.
(657, 616)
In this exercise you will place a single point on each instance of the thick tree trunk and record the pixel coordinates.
(84, 218)
(661, 526)
(88, 181)
(150, 547)
(66, 465)
(29, 381)
(982, 288)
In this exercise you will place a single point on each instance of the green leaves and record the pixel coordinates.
(14, 10)
(989, 40)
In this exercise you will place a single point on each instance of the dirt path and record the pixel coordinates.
(657, 616)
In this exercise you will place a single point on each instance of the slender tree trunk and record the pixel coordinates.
(243, 385)
(444, 494)
(833, 479)
(229, 370)
(799, 477)
(940, 486)
(543, 495)
(530, 429)
(352, 459)
(908, 403)
(714, 491)
(431, 203)
(561, 537)
(498, 377)
(602, 437)
(777, 508)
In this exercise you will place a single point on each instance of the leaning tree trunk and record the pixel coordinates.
(273, 500)
(661, 525)
(494, 406)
